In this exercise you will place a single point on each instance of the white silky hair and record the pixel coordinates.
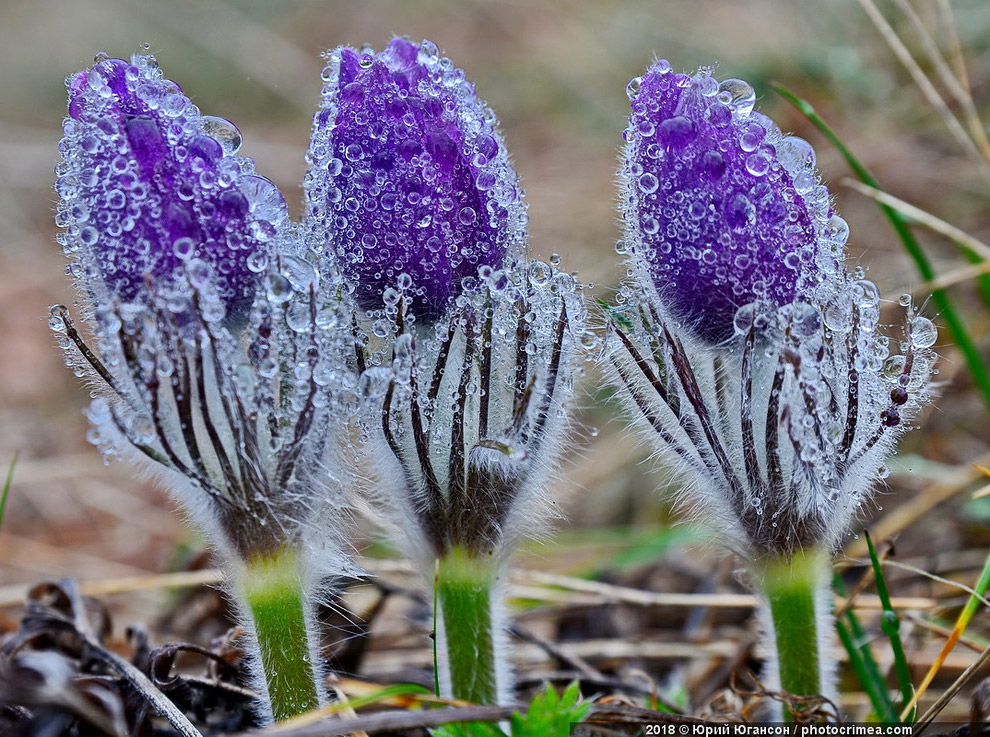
(289, 478)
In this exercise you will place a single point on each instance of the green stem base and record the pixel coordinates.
(792, 589)
(464, 585)
(272, 587)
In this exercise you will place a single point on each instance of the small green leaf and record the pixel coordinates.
(551, 714)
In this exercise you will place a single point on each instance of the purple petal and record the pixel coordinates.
(147, 183)
(723, 208)
(409, 176)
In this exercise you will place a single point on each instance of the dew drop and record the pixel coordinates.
(923, 333)
(223, 132)
(737, 95)
(795, 154)
(648, 183)
(183, 248)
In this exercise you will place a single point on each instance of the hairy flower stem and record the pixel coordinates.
(792, 587)
(272, 587)
(464, 589)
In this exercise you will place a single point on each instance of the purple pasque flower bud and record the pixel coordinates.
(173, 236)
(747, 352)
(409, 177)
(721, 208)
(148, 185)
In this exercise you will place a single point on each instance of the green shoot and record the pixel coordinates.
(272, 587)
(791, 586)
(463, 593)
(6, 487)
(857, 646)
(890, 623)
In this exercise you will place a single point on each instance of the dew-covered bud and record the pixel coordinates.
(409, 177)
(719, 206)
(148, 186)
(219, 354)
(747, 349)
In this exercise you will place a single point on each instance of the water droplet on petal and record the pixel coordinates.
(224, 132)
(737, 95)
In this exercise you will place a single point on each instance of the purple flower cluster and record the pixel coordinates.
(235, 344)
(409, 177)
(724, 209)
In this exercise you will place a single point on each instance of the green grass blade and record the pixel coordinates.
(6, 487)
(890, 623)
(977, 366)
(984, 281)
(857, 646)
(388, 692)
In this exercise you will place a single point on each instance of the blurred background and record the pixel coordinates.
(555, 72)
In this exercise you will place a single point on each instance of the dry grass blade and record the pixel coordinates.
(931, 577)
(923, 217)
(626, 595)
(941, 631)
(952, 83)
(13, 595)
(924, 84)
(948, 24)
(950, 693)
(394, 721)
(949, 278)
(527, 584)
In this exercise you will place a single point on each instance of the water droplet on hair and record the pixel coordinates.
(923, 333)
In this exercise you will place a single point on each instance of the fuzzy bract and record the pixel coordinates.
(472, 411)
(409, 178)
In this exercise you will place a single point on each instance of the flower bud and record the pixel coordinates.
(720, 207)
(409, 177)
(149, 185)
